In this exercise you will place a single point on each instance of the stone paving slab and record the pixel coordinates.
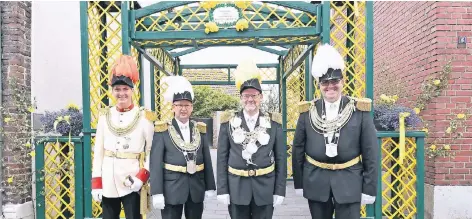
(293, 207)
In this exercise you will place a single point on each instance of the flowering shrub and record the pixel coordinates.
(63, 121)
(387, 114)
(388, 117)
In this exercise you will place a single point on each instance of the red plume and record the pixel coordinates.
(125, 65)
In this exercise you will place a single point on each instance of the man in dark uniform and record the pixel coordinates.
(335, 159)
(252, 157)
(181, 168)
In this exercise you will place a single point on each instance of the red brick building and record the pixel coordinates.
(16, 166)
(414, 40)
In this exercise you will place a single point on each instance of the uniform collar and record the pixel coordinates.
(125, 109)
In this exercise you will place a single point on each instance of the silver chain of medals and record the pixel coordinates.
(188, 150)
(337, 128)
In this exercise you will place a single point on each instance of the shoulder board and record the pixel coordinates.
(202, 127)
(226, 116)
(304, 106)
(277, 117)
(104, 111)
(363, 104)
(160, 126)
(150, 115)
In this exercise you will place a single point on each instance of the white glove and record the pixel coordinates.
(299, 192)
(158, 201)
(97, 195)
(367, 199)
(210, 193)
(278, 200)
(223, 199)
(134, 184)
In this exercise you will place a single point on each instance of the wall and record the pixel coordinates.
(16, 74)
(413, 41)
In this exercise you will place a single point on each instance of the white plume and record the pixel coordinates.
(326, 57)
(175, 84)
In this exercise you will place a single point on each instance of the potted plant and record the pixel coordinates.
(387, 115)
(65, 122)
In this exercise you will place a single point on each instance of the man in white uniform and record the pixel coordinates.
(122, 144)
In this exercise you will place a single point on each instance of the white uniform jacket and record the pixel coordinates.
(117, 142)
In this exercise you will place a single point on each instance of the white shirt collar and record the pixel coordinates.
(182, 124)
(247, 116)
(335, 104)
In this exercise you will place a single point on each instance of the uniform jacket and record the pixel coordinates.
(112, 171)
(261, 188)
(357, 137)
(177, 186)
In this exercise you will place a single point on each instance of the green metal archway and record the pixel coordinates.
(155, 32)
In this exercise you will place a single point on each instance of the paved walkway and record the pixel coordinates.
(293, 207)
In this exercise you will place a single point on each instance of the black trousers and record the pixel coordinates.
(191, 209)
(325, 210)
(251, 211)
(112, 206)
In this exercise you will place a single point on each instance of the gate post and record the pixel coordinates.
(125, 43)
(87, 198)
(325, 22)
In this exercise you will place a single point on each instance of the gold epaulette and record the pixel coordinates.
(277, 117)
(160, 126)
(202, 127)
(150, 115)
(363, 104)
(104, 111)
(304, 106)
(226, 116)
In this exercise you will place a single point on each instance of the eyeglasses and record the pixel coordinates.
(328, 82)
(253, 96)
(180, 106)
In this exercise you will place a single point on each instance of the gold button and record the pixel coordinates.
(252, 172)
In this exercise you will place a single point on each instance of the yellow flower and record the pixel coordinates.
(437, 82)
(72, 106)
(208, 4)
(32, 153)
(211, 27)
(28, 144)
(448, 130)
(384, 97)
(447, 147)
(242, 4)
(417, 110)
(67, 118)
(7, 119)
(242, 24)
(395, 97)
(432, 147)
(30, 109)
(10, 180)
(425, 130)
(461, 116)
